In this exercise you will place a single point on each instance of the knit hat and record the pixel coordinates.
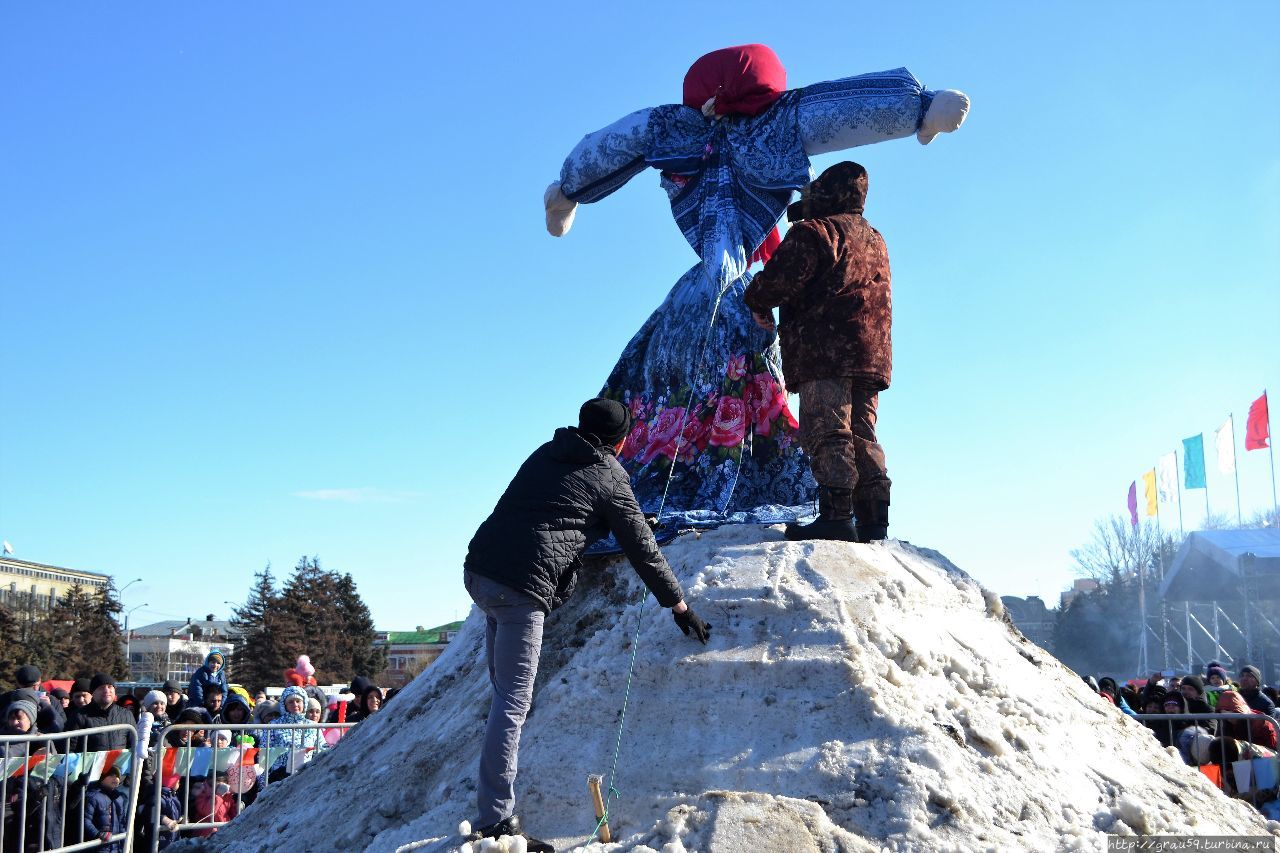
(153, 697)
(217, 733)
(1195, 681)
(213, 654)
(26, 706)
(607, 420)
(294, 678)
(1218, 671)
(304, 667)
(81, 685)
(113, 770)
(59, 693)
(101, 680)
(171, 686)
(313, 704)
(1252, 670)
(360, 685)
(266, 707)
(192, 715)
(27, 675)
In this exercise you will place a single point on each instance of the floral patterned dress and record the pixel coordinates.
(714, 440)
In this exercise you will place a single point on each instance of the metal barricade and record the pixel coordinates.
(220, 760)
(59, 773)
(1248, 730)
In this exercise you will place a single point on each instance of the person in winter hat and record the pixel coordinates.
(51, 717)
(209, 674)
(43, 809)
(523, 562)
(177, 699)
(106, 811)
(314, 710)
(829, 278)
(1251, 689)
(236, 709)
(102, 711)
(300, 744)
(1261, 731)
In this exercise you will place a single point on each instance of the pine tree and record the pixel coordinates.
(79, 636)
(256, 662)
(12, 652)
(322, 615)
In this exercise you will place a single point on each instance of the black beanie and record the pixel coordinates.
(607, 420)
(81, 685)
(1195, 681)
(100, 680)
(27, 675)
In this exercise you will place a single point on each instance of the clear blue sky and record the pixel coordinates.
(274, 281)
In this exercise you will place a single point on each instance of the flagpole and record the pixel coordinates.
(1235, 465)
(1205, 462)
(1178, 483)
(1271, 447)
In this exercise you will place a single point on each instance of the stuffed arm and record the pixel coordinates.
(598, 165)
(877, 107)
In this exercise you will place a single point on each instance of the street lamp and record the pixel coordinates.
(126, 586)
(128, 639)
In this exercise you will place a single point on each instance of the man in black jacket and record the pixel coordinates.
(102, 711)
(523, 563)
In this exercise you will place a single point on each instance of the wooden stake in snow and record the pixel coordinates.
(593, 785)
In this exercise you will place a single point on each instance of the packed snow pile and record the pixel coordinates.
(852, 697)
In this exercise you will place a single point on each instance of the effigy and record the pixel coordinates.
(713, 438)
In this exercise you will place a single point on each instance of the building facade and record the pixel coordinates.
(176, 648)
(1033, 619)
(410, 652)
(26, 585)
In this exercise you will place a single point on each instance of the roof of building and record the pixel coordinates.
(178, 627)
(45, 567)
(1219, 564)
(419, 637)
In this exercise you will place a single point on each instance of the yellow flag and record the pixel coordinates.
(1149, 489)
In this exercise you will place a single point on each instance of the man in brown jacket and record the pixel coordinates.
(830, 279)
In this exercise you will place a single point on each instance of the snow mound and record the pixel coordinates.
(853, 697)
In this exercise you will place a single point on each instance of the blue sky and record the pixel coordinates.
(274, 281)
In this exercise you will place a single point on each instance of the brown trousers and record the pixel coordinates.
(838, 431)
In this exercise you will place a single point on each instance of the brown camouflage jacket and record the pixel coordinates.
(830, 279)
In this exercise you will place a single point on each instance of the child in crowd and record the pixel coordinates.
(106, 812)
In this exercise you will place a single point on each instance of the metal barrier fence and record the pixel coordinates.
(51, 779)
(243, 768)
(1219, 759)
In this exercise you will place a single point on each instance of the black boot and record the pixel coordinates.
(834, 521)
(511, 826)
(873, 520)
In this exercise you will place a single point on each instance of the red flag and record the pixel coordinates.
(1258, 430)
(771, 242)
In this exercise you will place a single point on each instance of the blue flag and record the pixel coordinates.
(1193, 461)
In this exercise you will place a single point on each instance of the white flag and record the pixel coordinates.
(1167, 477)
(1225, 440)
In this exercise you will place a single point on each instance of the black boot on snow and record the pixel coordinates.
(511, 826)
(834, 521)
(873, 520)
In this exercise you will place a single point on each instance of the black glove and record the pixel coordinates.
(652, 521)
(688, 621)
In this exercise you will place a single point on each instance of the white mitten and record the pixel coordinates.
(560, 210)
(945, 114)
(145, 719)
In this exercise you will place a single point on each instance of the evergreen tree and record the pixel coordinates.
(256, 662)
(322, 615)
(80, 636)
(13, 653)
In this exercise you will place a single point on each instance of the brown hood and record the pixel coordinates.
(840, 189)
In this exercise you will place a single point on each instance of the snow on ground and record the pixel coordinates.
(852, 697)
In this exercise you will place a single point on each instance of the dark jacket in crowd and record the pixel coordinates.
(203, 678)
(40, 809)
(565, 496)
(830, 280)
(91, 717)
(106, 811)
(50, 717)
(1259, 701)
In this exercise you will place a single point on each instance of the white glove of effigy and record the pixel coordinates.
(945, 114)
(560, 210)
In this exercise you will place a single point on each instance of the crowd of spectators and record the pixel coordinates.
(52, 811)
(1205, 741)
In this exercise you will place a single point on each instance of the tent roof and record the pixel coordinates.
(1213, 564)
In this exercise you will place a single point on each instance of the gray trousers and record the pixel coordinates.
(512, 644)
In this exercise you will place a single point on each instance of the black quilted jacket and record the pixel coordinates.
(565, 496)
